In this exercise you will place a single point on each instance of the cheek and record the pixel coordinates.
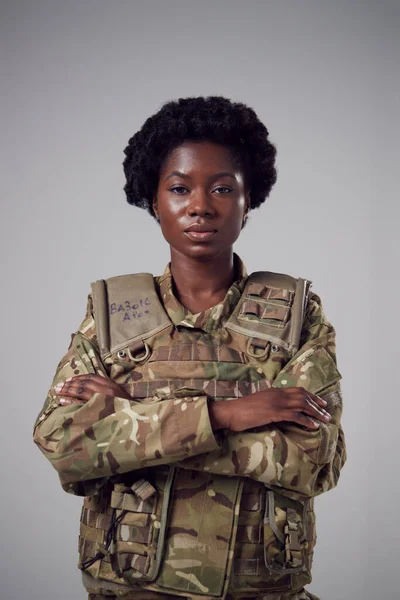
(172, 209)
(235, 231)
(174, 205)
(234, 223)
(170, 225)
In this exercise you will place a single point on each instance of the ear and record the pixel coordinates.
(248, 202)
(155, 207)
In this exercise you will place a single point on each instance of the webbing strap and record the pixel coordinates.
(293, 554)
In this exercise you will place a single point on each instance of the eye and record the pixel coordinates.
(178, 187)
(223, 187)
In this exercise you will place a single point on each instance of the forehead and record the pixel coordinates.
(205, 156)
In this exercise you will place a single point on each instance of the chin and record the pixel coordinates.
(203, 251)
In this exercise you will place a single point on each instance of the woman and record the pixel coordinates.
(198, 412)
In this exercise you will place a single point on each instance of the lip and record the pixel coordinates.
(200, 227)
(200, 236)
(200, 232)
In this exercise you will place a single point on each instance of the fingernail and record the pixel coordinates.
(69, 379)
(316, 423)
(58, 387)
(63, 401)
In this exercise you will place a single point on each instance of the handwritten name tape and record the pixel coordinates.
(134, 310)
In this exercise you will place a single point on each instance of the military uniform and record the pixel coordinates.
(171, 508)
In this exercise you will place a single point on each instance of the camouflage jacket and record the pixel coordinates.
(257, 486)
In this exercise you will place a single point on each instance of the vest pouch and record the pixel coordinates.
(285, 544)
(138, 526)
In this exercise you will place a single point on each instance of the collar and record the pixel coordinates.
(211, 319)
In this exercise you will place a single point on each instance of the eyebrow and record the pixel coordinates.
(185, 176)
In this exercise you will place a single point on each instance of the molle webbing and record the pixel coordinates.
(214, 387)
(271, 309)
(127, 309)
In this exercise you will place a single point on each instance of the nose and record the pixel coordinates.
(200, 204)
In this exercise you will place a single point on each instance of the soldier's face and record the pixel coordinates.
(200, 187)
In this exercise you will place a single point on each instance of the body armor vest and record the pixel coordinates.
(181, 531)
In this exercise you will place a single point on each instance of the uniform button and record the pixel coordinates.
(121, 353)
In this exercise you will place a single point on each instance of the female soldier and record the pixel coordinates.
(198, 412)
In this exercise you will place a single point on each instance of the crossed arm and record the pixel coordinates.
(100, 431)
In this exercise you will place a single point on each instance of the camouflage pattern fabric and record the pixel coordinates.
(142, 595)
(241, 509)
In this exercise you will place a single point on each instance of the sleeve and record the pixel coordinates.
(294, 461)
(108, 435)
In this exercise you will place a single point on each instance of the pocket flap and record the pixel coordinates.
(314, 369)
(284, 536)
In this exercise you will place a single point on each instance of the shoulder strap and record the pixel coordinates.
(271, 309)
(127, 309)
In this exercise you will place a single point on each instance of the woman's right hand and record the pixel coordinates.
(80, 388)
(294, 404)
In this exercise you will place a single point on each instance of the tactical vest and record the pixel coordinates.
(188, 532)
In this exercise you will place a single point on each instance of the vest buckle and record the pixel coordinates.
(256, 343)
(141, 351)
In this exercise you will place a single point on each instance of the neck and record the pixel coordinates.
(200, 284)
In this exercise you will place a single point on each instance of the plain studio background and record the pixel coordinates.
(82, 77)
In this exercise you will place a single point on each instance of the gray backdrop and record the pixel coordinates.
(81, 77)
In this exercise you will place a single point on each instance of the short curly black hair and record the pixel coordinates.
(214, 119)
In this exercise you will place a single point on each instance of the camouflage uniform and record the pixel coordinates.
(241, 522)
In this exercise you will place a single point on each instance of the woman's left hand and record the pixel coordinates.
(80, 388)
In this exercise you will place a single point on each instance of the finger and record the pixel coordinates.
(61, 390)
(317, 399)
(87, 387)
(320, 401)
(298, 417)
(306, 421)
(306, 403)
(311, 408)
(77, 391)
(300, 391)
(85, 394)
(67, 401)
(82, 384)
(75, 395)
